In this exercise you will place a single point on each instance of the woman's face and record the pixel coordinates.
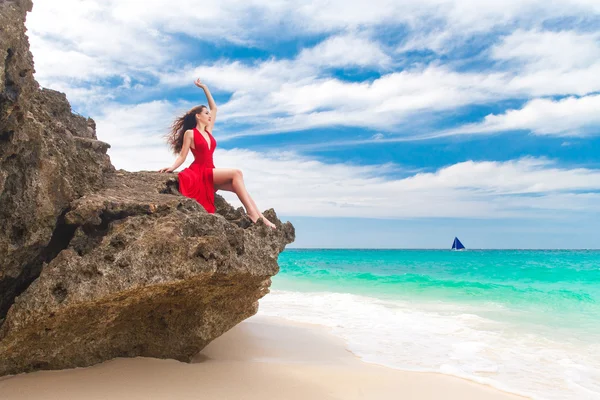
(204, 116)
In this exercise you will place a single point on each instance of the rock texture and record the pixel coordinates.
(48, 157)
(97, 263)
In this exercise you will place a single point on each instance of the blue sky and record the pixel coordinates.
(379, 124)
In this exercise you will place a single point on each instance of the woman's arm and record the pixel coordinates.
(185, 148)
(211, 104)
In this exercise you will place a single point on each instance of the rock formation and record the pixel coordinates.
(97, 263)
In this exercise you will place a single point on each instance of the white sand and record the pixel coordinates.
(261, 358)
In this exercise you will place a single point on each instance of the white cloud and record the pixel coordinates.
(547, 50)
(459, 17)
(552, 82)
(345, 50)
(279, 96)
(550, 63)
(86, 97)
(89, 42)
(445, 25)
(523, 176)
(125, 41)
(238, 77)
(130, 42)
(129, 33)
(397, 97)
(134, 128)
(98, 43)
(295, 185)
(570, 116)
(53, 62)
(302, 186)
(284, 95)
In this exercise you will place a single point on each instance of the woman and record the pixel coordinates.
(201, 179)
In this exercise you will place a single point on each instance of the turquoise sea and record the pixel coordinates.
(523, 321)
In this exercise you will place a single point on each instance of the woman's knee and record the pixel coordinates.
(237, 174)
(224, 176)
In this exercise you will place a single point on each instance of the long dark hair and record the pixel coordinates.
(180, 125)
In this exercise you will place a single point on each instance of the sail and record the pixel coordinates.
(457, 245)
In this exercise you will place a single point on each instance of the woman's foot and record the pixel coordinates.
(265, 220)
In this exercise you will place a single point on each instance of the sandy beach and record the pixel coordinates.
(261, 358)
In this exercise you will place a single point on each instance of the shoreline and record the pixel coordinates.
(329, 331)
(262, 357)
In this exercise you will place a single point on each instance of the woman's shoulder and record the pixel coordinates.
(189, 135)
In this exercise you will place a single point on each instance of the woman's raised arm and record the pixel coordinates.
(211, 104)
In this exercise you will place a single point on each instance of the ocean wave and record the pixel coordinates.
(452, 338)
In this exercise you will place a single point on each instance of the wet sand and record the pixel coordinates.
(261, 358)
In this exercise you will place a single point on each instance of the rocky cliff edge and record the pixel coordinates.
(97, 263)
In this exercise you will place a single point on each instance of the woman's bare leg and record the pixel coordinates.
(229, 187)
(233, 180)
(232, 177)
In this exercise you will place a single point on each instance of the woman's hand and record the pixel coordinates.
(199, 83)
(168, 169)
(211, 102)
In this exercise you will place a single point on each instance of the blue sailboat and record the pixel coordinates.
(457, 245)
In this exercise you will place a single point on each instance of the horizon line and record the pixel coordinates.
(435, 248)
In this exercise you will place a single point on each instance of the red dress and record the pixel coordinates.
(196, 181)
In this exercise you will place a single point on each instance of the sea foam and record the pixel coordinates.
(455, 339)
